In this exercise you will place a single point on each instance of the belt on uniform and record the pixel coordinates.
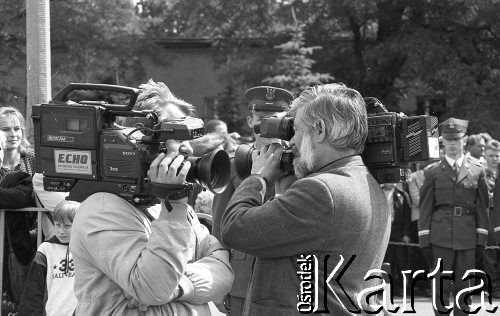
(455, 210)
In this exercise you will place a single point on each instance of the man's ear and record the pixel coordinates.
(249, 122)
(319, 131)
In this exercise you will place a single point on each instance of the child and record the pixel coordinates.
(49, 286)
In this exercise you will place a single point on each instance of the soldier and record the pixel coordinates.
(264, 102)
(491, 262)
(474, 146)
(453, 219)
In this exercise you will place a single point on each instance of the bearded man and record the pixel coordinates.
(335, 211)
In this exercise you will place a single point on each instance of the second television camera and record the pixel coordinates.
(81, 150)
(394, 141)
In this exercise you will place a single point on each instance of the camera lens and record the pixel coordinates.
(243, 161)
(275, 127)
(212, 170)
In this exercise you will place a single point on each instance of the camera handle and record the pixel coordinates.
(131, 92)
(171, 192)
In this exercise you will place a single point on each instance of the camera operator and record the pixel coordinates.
(335, 207)
(128, 265)
(263, 101)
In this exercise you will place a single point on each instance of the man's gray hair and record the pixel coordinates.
(156, 95)
(341, 108)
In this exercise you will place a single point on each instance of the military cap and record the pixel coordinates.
(266, 98)
(453, 128)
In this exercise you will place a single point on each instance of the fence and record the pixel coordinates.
(39, 210)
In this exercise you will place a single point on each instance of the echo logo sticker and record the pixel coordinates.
(73, 161)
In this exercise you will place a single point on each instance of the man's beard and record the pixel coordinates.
(303, 163)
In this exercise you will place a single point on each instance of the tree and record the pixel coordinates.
(390, 48)
(293, 67)
(12, 51)
(229, 111)
(96, 41)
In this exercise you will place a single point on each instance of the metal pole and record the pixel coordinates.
(38, 63)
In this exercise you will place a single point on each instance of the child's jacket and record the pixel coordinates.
(49, 286)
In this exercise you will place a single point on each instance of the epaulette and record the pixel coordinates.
(474, 161)
(432, 165)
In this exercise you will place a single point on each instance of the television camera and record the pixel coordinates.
(82, 150)
(394, 141)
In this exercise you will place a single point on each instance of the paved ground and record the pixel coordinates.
(423, 307)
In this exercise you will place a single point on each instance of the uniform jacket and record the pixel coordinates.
(121, 257)
(496, 208)
(241, 262)
(444, 190)
(338, 211)
(50, 281)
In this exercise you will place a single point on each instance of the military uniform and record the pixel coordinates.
(496, 206)
(490, 262)
(261, 99)
(453, 217)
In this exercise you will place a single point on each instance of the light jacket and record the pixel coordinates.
(121, 259)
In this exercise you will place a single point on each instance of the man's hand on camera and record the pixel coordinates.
(165, 169)
(169, 169)
(267, 162)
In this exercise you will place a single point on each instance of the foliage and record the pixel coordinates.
(293, 67)
(449, 49)
(96, 41)
(12, 50)
(389, 49)
(384, 48)
(229, 111)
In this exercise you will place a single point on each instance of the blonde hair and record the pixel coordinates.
(156, 95)
(207, 143)
(9, 111)
(3, 141)
(65, 211)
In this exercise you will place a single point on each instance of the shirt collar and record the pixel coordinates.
(452, 162)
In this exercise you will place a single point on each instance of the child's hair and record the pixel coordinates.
(65, 211)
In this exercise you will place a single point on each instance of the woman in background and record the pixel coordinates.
(18, 154)
(17, 163)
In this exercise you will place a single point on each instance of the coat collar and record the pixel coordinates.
(354, 160)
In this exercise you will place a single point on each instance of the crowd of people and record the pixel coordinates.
(239, 249)
(447, 212)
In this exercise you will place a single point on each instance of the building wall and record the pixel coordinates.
(189, 73)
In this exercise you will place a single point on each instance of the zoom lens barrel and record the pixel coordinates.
(243, 161)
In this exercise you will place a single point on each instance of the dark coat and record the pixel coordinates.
(444, 190)
(496, 207)
(338, 211)
(402, 216)
(241, 262)
(16, 191)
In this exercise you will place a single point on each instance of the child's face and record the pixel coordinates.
(63, 231)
